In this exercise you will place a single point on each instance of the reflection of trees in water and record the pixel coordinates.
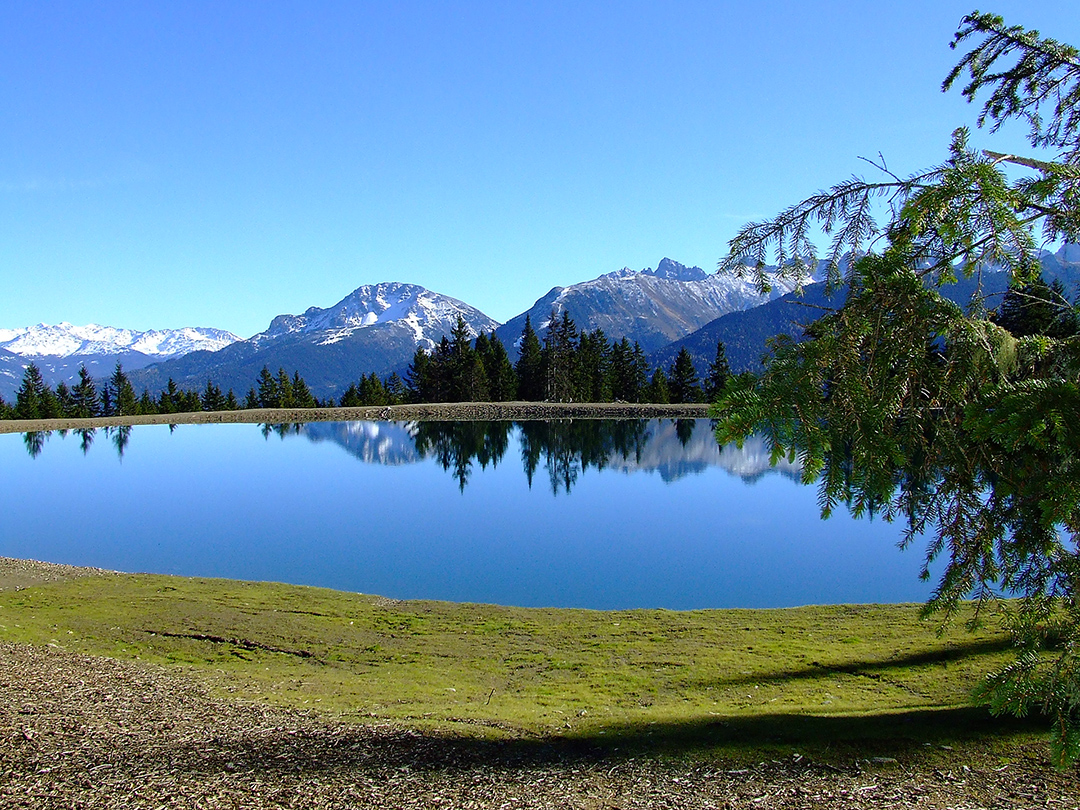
(684, 430)
(120, 435)
(281, 430)
(566, 447)
(35, 441)
(569, 447)
(456, 444)
(86, 439)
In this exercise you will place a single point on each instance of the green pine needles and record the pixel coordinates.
(964, 423)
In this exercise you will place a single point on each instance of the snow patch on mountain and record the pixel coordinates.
(66, 340)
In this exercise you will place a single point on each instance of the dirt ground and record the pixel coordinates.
(93, 732)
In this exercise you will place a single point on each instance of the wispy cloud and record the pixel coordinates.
(136, 173)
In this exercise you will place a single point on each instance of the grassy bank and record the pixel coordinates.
(824, 680)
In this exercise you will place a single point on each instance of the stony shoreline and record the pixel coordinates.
(440, 411)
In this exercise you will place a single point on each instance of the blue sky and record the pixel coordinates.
(219, 163)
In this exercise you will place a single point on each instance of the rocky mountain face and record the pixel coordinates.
(745, 334)
(376, 328)
(652, 307)
(59, 350)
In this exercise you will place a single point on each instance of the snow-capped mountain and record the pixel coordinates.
(429, 315)
(652, 307)
(60, 350)
(66, 340)
(375, 329)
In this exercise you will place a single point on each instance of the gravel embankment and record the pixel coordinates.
(90, 732)
(78, 731)
(448, 411)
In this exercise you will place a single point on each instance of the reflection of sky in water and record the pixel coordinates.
(222, 500)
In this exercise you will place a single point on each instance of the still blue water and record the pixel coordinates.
(653, 514)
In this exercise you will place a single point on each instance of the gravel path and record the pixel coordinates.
(458, 411)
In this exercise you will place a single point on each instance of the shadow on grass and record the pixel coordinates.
(952, 654)
(375, 750)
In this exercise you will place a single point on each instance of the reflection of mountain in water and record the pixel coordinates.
(390, 443)
(562, 448)
(677, 448)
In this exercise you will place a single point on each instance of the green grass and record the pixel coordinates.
(741, 682)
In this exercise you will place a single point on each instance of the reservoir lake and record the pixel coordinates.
(583, 513)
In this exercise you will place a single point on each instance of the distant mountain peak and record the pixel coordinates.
(1068, 253)
(652, 307)
(673, 271)
(427, 314)
(66, 340)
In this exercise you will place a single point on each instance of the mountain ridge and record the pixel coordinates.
(375, 329)
(651, 307)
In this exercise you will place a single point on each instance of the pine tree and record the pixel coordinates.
(171, 399)
(269, 394)
(251, 401)
(719, 374)
(302, 396)
(592, 367)
(460, 372)
(34, 399)
(530, 365)
(901, 402)
(475, 382)
(6, 411)
(108, 401)
(372, 391)
(286, 396)
(351, 397)
(123, 394)
(1038, 308)
(640, 370)
(146, 404)
(657, 390)
(84, 396)
(620, 370)
(502, 381)
(683, 379)
(230, 402)
(212, 398)
(440, 369)
(64, 400)
(418, 376)
(395, 389)
(560, 347)
(190, 401)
